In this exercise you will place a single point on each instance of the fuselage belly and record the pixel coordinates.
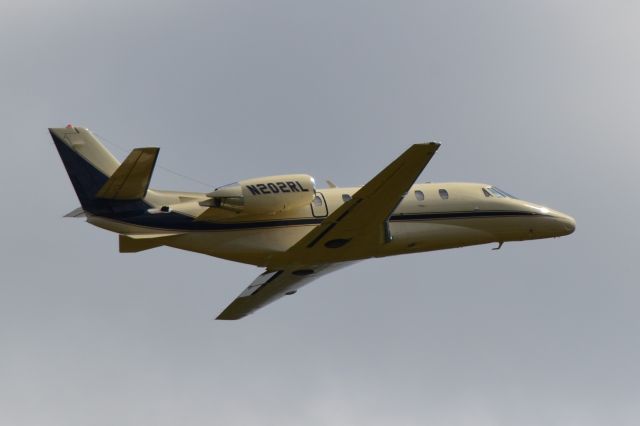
(466, 217)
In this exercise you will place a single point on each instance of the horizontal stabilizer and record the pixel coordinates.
(140, 242)
(131, 180)
(77, 212)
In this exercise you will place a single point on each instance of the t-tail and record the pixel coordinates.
(104, 185)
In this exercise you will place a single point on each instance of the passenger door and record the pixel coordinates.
(319, 206)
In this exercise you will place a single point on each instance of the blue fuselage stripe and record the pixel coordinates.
(178, 221)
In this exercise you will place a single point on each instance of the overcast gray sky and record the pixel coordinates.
(540, 98)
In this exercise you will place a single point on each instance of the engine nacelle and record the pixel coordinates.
(264, 195)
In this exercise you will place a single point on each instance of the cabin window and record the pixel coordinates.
(346, 197)
(317, 201)
(419, 195)
(443, 194)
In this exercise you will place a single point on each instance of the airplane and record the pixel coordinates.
(286, 224)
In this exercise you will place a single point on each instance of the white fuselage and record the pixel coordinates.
(431, 216)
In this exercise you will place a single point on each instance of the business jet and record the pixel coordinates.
(287, 225)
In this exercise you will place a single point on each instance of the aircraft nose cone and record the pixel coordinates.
(568, 223)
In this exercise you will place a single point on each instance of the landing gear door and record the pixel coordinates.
(319, 206)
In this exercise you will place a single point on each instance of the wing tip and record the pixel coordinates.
(428, 148)
(228, 317)
(431, 144)
(232, 314)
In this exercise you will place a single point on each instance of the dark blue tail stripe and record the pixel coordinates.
(87, 181)
(85, 178)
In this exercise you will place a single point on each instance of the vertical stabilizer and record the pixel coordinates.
(88, 163)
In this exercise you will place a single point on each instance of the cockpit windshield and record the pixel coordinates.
(492, 191)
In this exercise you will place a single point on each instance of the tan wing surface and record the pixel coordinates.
(353, 231)
(271, 286)
(357, 227)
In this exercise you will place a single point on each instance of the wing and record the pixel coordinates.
(359, 226)
(354, 231)
(272, 285)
